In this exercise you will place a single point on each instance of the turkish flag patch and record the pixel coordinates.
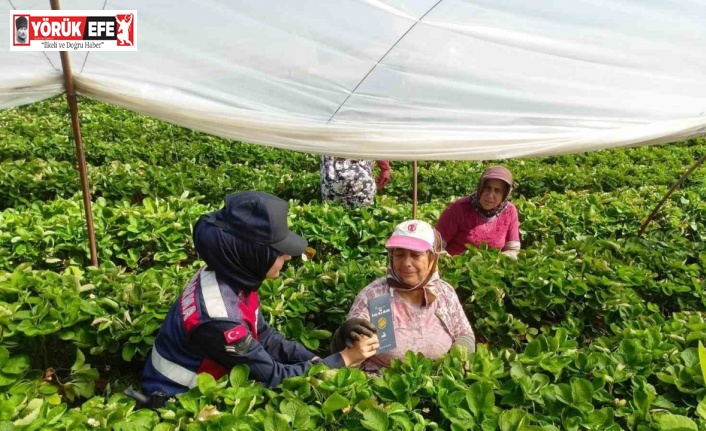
(235, 334)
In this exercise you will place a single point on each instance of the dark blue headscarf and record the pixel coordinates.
(239, 263)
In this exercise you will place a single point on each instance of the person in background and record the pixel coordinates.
(427, 315)
(484, 217)
(216, 322)
(351, 181)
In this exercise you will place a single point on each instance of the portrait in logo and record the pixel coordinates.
(124, 27)
(382, 323)
(21, 30)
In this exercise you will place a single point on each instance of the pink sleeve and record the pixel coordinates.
(383, 165)
(460, 321)
(513, 229)
(359, 308)
(448, 222)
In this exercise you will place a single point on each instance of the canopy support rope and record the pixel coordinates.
(76, 127)
(669, 193)
(414, 166)
(382, 58)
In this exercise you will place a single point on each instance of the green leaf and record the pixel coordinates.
(320, 334)
(86, 372)
(398, 386)
(239, 375)
(16, 365)
(702, 360)
(30, 413)
(533, 349)
(205, 382)
(80, 360)
(562, 392)
(510, 420)
(489, 424)
(4, 355)
(85, 389)
(54, 400)
(375, 419)
(243, 405)
(555, 365)
(643, 394)
(7, 409)
(276, 422)
(480, 398)
(309, 343)
(701, 409)
(690, 357)
(298, 411)
(333, 403)
(581, 390)
(670, 422)
(48, 389)
(55, 413)
(190, 401)
(128, 352)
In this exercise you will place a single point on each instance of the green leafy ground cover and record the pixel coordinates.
(591, 329)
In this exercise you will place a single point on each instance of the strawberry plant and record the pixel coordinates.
(590, 329)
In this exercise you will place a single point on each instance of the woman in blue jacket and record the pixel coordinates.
(216, 323)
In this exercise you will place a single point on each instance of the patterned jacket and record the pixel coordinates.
(349, 181)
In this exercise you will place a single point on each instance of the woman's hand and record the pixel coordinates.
(384, 176)
(364, 348)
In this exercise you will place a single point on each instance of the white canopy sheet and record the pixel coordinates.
(396, 79)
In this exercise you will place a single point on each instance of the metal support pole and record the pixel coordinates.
(76, 127)
(669, 193)
(414, 190)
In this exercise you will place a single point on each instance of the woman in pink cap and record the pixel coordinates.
(426, 313)
(485, 216)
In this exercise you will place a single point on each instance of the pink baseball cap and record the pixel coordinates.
(413, 235)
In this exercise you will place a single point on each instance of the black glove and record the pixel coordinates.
(154, 402)
(351, 331)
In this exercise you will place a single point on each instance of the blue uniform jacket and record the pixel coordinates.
(212, 328)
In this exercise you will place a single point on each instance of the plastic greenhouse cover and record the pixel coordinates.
(397, 79)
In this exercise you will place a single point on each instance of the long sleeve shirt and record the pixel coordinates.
(431, 329)
(461, 224)
(271, 359)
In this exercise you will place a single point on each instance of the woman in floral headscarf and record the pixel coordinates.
(427, 315)
(485, 216)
